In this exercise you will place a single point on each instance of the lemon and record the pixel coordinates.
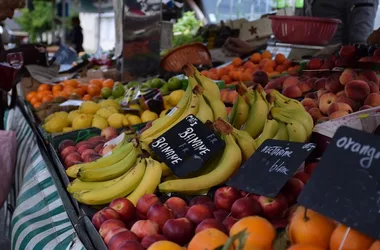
(56, 124)
(82, 121)
(175, 97)
(116, 120)
(104, 112)
(125, 121)
(148, 115)
(89, 107)
(136, 106)
(99, 122)
(133, 119)
(166, 102)
(55, 115)
(163, 112)
(71, 116)
(67, 129)
(113, 110)
(109, 103)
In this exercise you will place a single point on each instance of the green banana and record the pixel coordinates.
(246, 143)
(242, 112)
(270, 130)
(232, 114)
(78, 185)
(282, 133)
(296, 132)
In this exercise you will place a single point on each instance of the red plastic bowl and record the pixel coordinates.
(304, 30)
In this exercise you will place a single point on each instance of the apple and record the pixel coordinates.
(144, 228)
(159, 213)
(254, 196)
(243, 193)
(104, 215)
(130, 245)
(273, 208)
(72, 159)
(309, 168)
(201, 199)
(83, 148)
(210, 205)
(87, 152)
(92, 157)
(96, 139)
(120, 238)
(198, 213)
(145, 202)
(108, 225)
(180, 230)
(124, 207)
(147, 241)
(302, 176)
(108, 133)
(113, 232)
(64, 144)
(181, 213)
(66, 151)
(211, 223)
(220, 214)
(224, 197)
(99, 148)
(229, 222)
(280, 223)
(292, 189)
(175, 203)
(85, 143)
(244, 207)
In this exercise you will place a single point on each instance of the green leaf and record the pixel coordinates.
(240, 237)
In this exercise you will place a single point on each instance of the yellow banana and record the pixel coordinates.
(270, 130)
(229, 162)
(205, 112)
(112, 171)
(281, 100)
(120, 189)
(78, 185)
(246, 143)
(209, 85)
(149, 182)
(232, 114)
(218, 108)
(116, 156)
(282, 133)
(296, 132)
(242, 113)
(166, 171)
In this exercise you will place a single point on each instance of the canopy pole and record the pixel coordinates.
(63, 2)
(99, 22)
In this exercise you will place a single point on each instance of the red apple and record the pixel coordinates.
(99, 148)
(273, 208)
(198, 213)
(144, 228)
(280, 223)
(66, 151)
(108, 225)
(211, 223)
(146, 202)
(175, 203)
(87, 152)
(201, 199)
(244, 193)
(302, 176)
(120, 238)
(109, 132)
(244, 207)
(104, 215)
(82, 143)
(124, 207)
(91, 157)
(97, 139)
(181, 213)
(159, 213)
(149, 240)
(179, 230)
(224, 197)
(292, 189)
(254, 196)
(64, 144)
(309, 168)
(229, 222)
(72, 159)
(220, 214)
(130, 245)
(210, 205)
(113, 232)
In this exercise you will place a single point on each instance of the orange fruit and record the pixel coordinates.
(227, 79)
(43, 87)
(305, 247)
(287, 63)
(79, 92)
(204, 73)
(84, 87)
(35, 99)
(30, 95)
(165, 245)
(249, 64)
(47, 98)
(314, 229)
(255, 58)
(354, 240)
(69, 89)
(271, 63)
(93, 90)
(281, 68)
(213, 70)
(263, 61)
(237, 61)
(57, 87)
(40, 95)
(62, 94)
(266, 54)
(245, 77)
(96, 82)
(213, 76)
(237, 75)
(280, 58)
(222, 72)
(108, 83)
(87, 98)
(268, 69)
(230, 67)
(36, 105)
(375, 245)
(260, 231)
(210, 238)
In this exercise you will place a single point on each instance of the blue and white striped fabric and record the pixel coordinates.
(39, 220)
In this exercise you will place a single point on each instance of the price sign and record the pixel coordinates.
(346, 184)
(270, 167)
(187, 146)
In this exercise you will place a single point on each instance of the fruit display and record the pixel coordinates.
(240, 71)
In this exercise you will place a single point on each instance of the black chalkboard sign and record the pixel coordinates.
(187, 146)
(270, 167)
(346, 184)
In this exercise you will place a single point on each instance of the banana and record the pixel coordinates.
(112, 171)
(116, 156)
(78, 185)
(296, 132)
(166, 171)
(282, 133)
(242, 113)
(270, 130)
(205, 112)
(218, 108)
(149, 182)
(229, 162)
(232, 114)
(209, 85)
(246, 143)
(120, 189)
(257, 115)
(282, 100)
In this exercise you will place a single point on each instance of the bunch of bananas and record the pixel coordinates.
(127, 172)
(271, 116)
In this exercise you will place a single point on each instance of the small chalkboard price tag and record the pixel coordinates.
(270, 167)
(187, 146)
(346, 184)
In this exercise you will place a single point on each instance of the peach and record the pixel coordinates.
(143, 228)
(198, 213)
(220, 214)
(113, 232)
(320, 84)
(99, 148)
(373, 87)
(107, 149)
(108, 225)
(260, 77)
(92, 157)
(322, 92)
(124, 207)
(339, 106)
(292, 92)
(338, 114)
(290, 81)
(104, 215)
(72, 159)
(87, 152)
(147, 241)
(347, 75)
(66, 151)
(181, 212)
(325, 101)
(120, 238)
(244, 207)
(64, 144)
(145, 202)
(328, 64)
(347, 51)
(357, 90)
(273, 84)
(365, 107)
(343, 98)
(312, 95)
(342, 92)
(333, 85)
(373, 100)
(82, 143)
(96, 139)
(83, 148)
(315, 113)
(159, 213)
(309, 103)
(314, 63)
(229, 222)
(175, 203)
(109, 132)
(307, 85)
(370, 76)
(130, 245)
(179, 230)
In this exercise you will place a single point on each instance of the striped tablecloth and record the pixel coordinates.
(39, 220)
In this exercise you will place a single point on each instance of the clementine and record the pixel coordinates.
(87, 98)
(245, 77)
(280, 58)
(96, 82)
(30, 95)
(375, 245)
(260, 231)
(249, 64)
(305, 247)
(213, 70)
(165, 245)
(93, 90)
(57, 87)
(226, 78)
(354, 240)
(222, 72)
(210, 238)
(204, 73)
(47, 98)
(108, 83)
(79, 92)
(266, 54)
(237, 61)
(34, 100)
(213, 76)
(43, 87)
(256, 58)
(36, 105)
